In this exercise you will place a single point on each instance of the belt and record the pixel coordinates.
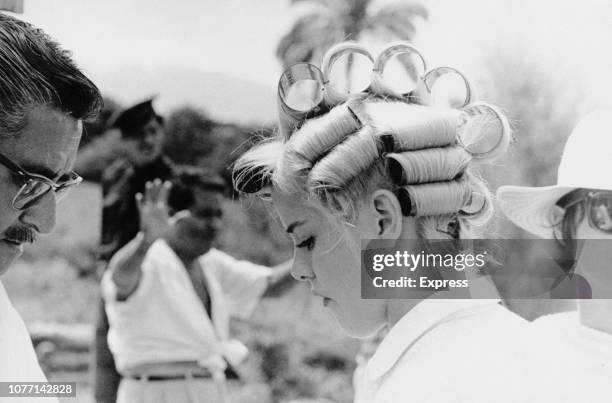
(154, 378)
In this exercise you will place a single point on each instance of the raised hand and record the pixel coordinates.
(153, 209)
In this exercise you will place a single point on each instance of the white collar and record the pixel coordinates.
(425, 316)
(160, 246)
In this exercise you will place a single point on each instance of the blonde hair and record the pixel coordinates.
(421, 153)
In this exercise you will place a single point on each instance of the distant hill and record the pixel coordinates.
(224, 97)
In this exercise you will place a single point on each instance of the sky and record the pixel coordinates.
(136, 48)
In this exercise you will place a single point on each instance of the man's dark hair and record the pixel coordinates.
(35, 70)
(186, 178)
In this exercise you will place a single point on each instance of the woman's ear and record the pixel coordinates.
(386, 213)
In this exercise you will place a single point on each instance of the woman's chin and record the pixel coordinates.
(352, 327)
(6, 262)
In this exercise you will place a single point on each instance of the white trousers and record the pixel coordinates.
(190, 390)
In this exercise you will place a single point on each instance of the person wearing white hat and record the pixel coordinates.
(577, 211)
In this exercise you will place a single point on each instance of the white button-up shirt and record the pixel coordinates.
(461, 351)
(18, 362)
(164, 320)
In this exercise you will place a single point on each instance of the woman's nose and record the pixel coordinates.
(302, 268)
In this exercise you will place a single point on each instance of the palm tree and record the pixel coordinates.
(334, 21)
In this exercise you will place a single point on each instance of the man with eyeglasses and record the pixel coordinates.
(44, 98)
(142, 135)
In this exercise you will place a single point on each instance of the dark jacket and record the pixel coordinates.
(120, 183)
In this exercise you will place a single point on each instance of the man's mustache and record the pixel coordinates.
(20, 234)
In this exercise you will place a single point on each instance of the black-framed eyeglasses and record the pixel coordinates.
(598, 208)
(35, 186)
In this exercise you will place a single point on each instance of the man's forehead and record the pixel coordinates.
(48, 143)
(207, 195)
(140, 132)
(51, 127)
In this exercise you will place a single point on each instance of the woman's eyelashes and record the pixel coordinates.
(308, 243)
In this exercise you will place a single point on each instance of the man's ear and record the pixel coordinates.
(387, 215)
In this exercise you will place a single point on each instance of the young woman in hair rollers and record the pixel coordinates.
(387, 163)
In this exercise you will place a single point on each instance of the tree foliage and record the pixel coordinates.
(543, 110)
(334, 21)
(97, 127)
(189, 136)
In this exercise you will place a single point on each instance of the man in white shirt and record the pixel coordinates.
(169, 296)
(43, 100)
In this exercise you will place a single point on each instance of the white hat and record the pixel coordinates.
(586, 163)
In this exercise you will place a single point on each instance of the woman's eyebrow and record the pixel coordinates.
(291, 227)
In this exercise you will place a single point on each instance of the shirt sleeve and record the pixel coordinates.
(242, 282)
(137, 297)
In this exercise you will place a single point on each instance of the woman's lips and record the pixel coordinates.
(17, 246)
(326, 300)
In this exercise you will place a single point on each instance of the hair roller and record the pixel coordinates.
(484, 131)
(432, 76)
(318, 136)
(429, 165)
(293, 110)
(347, 160)
(434, 198)
(331, 96)
(479, 207)
(414, 127)
(379, 84)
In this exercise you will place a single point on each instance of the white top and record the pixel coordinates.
(461, 351)
(18, 362)
(588, 350)
(164, 320)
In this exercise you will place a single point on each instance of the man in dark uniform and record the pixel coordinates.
(143, 134)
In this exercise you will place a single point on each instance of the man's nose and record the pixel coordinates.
(214, 224)
(41, 214)
(152, 137)
(218, 226)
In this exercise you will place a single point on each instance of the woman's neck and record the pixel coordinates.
(397, 308)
